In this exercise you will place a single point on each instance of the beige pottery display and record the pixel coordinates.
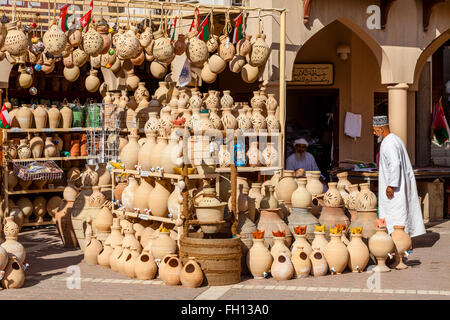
(163, 245)
(145, 267)
(129, 154)
(380, 244)
(259, 259)
(302, 263)
(282, 267)
(92, 250)
(156, 152)
(157, 199)
(336, 254)
(162, 48)
(40, 117)
(260, 51)
(141, 196)
(67, 117)
(279, 247)
(358, 254)
(320, 242)
(402, 243)
(319, 266)
(332, 198)
(286, 187)
(192, 275)
(128, 194)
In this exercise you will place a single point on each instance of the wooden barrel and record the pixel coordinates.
(220, 259)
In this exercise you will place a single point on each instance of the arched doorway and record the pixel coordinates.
(317, 111)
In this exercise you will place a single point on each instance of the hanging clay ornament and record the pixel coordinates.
(92, 42)
(162, 48)
(132, 81)
(74, 37)
(16, 42)
(146, 37)
(92, 81)
(68, 61)
(212, 43)
(237, 63)
(96, 62)
(249, 73)
(180, 45)
(244, 46)
(71, 74)
(226, 48)
(139, 59)
(158, 69)
(54, 40)
(196, 51)
(127, 45)
(260, 51)
(207, 75)
(25, 80)
(216, 63)
(102, 30)
(80, 57)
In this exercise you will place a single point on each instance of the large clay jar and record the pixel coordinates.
(146, 151)
(141, 196)
(286, 187)
(162, 48)
(50, 148)
(282, 267)
(104, 176)
(302, 263)
(279, 247)
(11, 245)
(226, 49)
(156, 152)
(402, 243)
(145, 267)
(216, 63)
(92, 42)
(92, 250)
(319, 266)
(129, 154)
(163, 245)
(103, 222)
(67, 117)
(92, 81)
(336, 254)
(366, 199)
(301, 198)
(331, 216)
(260, 51)
(259, 259)
(25, 117)
(366, 219)
(380, 244)
(14, 276)
(54, 40)
(332, 198)
(54, 117)
(314, 186)
(191, 276)
(23, 150)
(129, 193)
(172, 272)
(196, 51)
(40, 117)
(320, 242)
(37, 146)
(302, 243)
(358, 253)
(157, 200)
(304, 217)
(269, 221)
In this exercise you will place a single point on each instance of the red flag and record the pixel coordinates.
(64, 16)
(196, 15)
(5, 119)
(86, 19)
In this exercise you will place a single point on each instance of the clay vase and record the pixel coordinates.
(331, 216)
(301, 242)
(105, 254)
(302, 263)
(67, 117)
(332, 198)
(272, 123)
(156, 152)
(75, 148)
(40, 117)
(115, 238)
(12, 180)
(26, 206)
(269, 221)
(11, 245)
(402, 243)
(119, 190)
(141, 92)
(304, 217)
(16, 42)
(224, 156)
(23, 150)
(163, 245)
(92, 82)
(196, 51)
(336, 254)
(226, 49)
(358, 254)
(54, 117)
(320, 242)
(319, 266)
(97, 198)
(104, 176)
(380, 244)
(129, 154)
(314, 186)
(259, 259)
(129, 193)
(103, 221)
(141, 196)
(365, 219)
(286, 187)
(269, 154)
(180, 45)
(279, 247)
(129, 264)
(282, 268)
(172, 272)
(301, 198)
(216, 63)
(114, 258)
(260, 51)
(146, 151)
(366, 199)
(25, 117)
(92, 250)
(158, 200)
(14, 276)
(50, 148)
(191, 275)
(269, 201)
(145, 267)
(351, 200)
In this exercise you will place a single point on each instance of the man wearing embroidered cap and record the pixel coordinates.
(398, 202)
(301, 160)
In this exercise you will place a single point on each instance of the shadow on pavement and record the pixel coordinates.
(426, 240)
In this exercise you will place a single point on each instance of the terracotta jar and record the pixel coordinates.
(119, 190)
(226, 48)
(163, 245)
(105, 254)
(172, 272)
(92, 42)
(154, 159)
(67, 117)
(343, 182)
(129, 154)
(70, 191)
(228, 120)
(336, 254)
(127, 45)
(365, 219)
(196, 51)
(358, 254)
(115, 238)
(129, 263)
(332, 198)
(16, 42)
(92, 250)
(286, 187)
(227, 100)
(380, 244)
(331, 216)
(216, 63)
(54, 117)
(269, 155)
(128, 194)
(50, 148)
(272, 123)
(132, 81)
(271, 102)
(114, 258)
(104, 176)
(180, 45)
(171, 156)
(301, 262)
(141, 196)
(319, 266)
(104, 221)
(25, 117)
(14, 276)
(208, 208)
(260, 51)
(314, 186)
(96, 199)
(402, 243)
(130, 241)
(165, 122)
(270, 221)
(320, 242)
(301, 198)
(244, 46)
(23, 150)
(11, 245)
(121, 259)
(75, 148)
(162, 48)
(40, 117)
(191, 275)
(26, 206)
(145, 267)
(53, 205)
(146, 151)
(157, 199)
(366, 199)
(279, 247)
(158, 69)
(304, 217)
(102, 30)
(54, 40)
(301, 243)
(175, 200)
(282, 268)
(259, 259)
(92, 81)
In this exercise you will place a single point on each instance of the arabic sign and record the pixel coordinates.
(313, 74)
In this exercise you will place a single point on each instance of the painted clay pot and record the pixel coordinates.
(402, 243)
(358, 254)
(366, 199)
(336, 254)
(332, 197)
(145, 267)
(270, 221)
(260, 51)
(320, 242)
(243, 121)
(380, 244)
(129, 193)
(226, 49)
(129, 154)
(14, 276)
(319, 266)
(282, 268)
(302, 263)
(172, 272)
(259, 259)
(191, 275)
(165, 122)
(54, 40)
(215, 119)
(196, 51)
(286, 187)
(279, 247)
(92, 42)
(92, 250)
(271, 102)
(141, 196)
(163, 245)
(23, 150)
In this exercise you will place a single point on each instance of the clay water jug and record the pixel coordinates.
(128, 194)
(319, 242)
(331, 216)
(129, 264)
(40, 117)
(314, 186)
(301, 242)
(156, 152)
(249, 73)
(336, 254)
(92, 82)
(11, 245)
(226, 48)
(145, 267)
(105, 254)
(282, 268)
(286, 187)
(141, 196)
(50, 148)
(301, 197)
(380, 244)
(319, 266)
(196, 51)
(269, 221)
(92, 250)
(191, 275)
(104, 176)
(67, 117)
(157, 199)
(23, 150)
(259, 259)
(279, 247)
(24, 117)
(260, 51)
(172, 272)
(14, 276)
(146, 151)
(366, 199)
(302, 263)
(332, 198)
(216, 63)
(121, 260)
(358, 253)
(163, 245)
(54, 117)
(114, 258)
(402, 243)
(129, 154)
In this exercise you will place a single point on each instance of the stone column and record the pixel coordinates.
(398, 110)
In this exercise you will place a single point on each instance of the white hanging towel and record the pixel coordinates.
(352, 125)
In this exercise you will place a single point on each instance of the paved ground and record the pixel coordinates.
(428, 277)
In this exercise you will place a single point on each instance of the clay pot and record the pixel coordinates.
(129, 263)
(282, 268)
(105, 254)
(366, 199)
(12, 180)
(14, 276)
(129, 154)
(249, 73)
(258, 120)
(272, 123)
(54, 117)
(244, 46)
(146, 150)
(402, 243)
(162, 48)
(304, 217)
(129, 193)
(351, 200)
(226, 50)
(40, 117)
(301, 198)
(301, 243)
(196, 51)
(50, 148)
(269, 201)
(165, 122)
(209, 209)
(380, 244)
(318, 263)
(130, 241)
(367, 221)
(141, 92)
(228, 120)
(141, 196)
(207, 75)
(172, 272)
(92, 250)
(53, 205)
(156, 152)
(11, 245)
(115, 238)
(23, 150)
(92, 81)
(16, 42)
(180, 45)
(74, 37)
(145, 267)
(286, 187)
(103, 220)
(302, 263)
(332, 216)
(114, 258)
(270, 221)
(336, 254)
(260, 51)
(212, 43)
(67, 117)
(26, 206)
(127, 45)
(191, 275)
(358, 254)
(70, 192)
(255, 193)
(279, 247)
(320, 242)
(237, 63)
(25, 117)
(163, 245)
(216, 64)
(104, 176)
(92, 42)
(259, 259)
(158, 69)
(101, 29)
(89, 177)
(54, 40)
(157, 200)
(132, 81)
(332, 198)
(75, 148)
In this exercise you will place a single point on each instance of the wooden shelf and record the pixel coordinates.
(31, 191)
(143, 216)
(35, 224)
(50, 130)
(196, 222)
(165, 175)
(249, 169)
(52, 158)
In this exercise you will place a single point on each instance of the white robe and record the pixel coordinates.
(396, 171)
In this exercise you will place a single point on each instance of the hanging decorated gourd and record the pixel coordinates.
(25, 79)
(127, 45)
(92, 81)
(207, 75)
(74, 37)
(162, 48)
(92, 42)
(249, 73)
(196, 51)
(54, 39)
(147, 36)
(71, 74)
(16, 42)
(103, 31)
(213, 41)
(79, 57)
(226, 48)
(158, 69)
(260, 50)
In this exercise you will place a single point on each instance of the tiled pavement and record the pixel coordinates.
(428, 277)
